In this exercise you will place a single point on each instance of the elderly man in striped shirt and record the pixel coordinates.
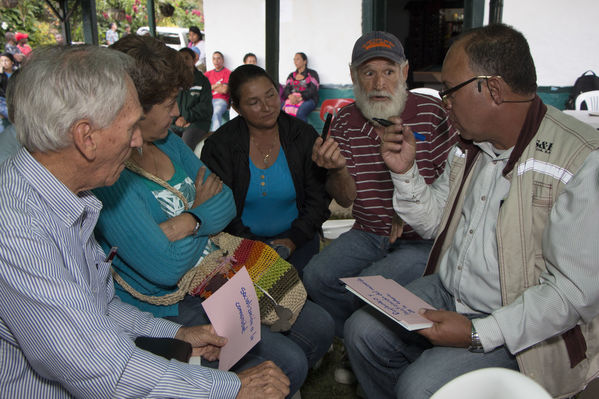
(378, 243)
(63, 332)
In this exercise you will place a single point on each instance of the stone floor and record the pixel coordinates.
(321, 383)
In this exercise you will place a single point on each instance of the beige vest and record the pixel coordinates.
(559, 151)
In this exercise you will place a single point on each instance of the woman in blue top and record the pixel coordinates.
(265, 156)
(165, 205)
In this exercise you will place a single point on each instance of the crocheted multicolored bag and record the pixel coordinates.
(278, 285)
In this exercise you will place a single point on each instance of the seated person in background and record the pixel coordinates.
(219, 79)
(59, 38)
(195, 105)
(516, 283)
(7, 63)
(12, 48)
(9, 144)
(165, 205)
(63, 332)
(198, 45)
(111, 34)
(264, 155)
(21, 39)
(301, 89)
(250, 58)
(376, 244)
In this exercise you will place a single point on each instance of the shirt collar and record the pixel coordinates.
(67, 206)
(488, 149)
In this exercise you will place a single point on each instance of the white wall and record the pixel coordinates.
(563, 36)
(323, 29)
(235, 28)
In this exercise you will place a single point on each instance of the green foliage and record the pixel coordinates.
(33, 17)
(135, 14)
(43, 34)
(37, 19)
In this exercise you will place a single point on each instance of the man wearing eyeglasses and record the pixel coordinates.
(357, 176)
(515, 256)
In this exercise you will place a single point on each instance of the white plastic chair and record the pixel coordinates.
(426, 90)
(333, 228)
(492, 383)
(591, 98)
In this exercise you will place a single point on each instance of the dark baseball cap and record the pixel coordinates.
(377, 44)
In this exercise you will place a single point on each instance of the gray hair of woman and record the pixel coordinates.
(59, 85)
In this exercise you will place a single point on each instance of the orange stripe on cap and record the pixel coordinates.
(373, 43)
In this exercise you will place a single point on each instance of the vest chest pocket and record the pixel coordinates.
(542, 195)
(542, 202)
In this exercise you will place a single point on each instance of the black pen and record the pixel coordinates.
(385, 123)
(325, 129)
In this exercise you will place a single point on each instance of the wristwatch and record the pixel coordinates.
(195, 229)
(475, 345)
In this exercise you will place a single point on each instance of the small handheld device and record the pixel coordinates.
(385, 123)
(325, 128)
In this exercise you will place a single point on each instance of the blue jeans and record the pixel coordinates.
(359, 253)
(304, 110)
(302, 255)
(390, 361)
(294, 351)
(219, 107)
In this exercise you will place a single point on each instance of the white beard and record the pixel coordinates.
(386, 109)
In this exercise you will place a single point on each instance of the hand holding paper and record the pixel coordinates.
(203, 339)
(391, 299)
(449, 329)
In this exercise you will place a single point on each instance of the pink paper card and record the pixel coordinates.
(234, 312)
(391, 299)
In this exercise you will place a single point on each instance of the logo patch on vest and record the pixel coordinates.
(544, 146)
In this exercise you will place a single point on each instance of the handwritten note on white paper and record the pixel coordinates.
(391, 299)
(234, 312)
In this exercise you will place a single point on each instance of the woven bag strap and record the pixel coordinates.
(133, 167)
(191, 278)
(167, 299)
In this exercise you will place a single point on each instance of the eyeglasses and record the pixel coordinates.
(446, 93)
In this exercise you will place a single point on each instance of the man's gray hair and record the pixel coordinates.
(59, 86)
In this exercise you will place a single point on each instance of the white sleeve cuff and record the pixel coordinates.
(489, 332)
(405, 184)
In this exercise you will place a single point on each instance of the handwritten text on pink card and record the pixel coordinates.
(234, 312)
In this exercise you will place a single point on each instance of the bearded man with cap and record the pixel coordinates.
(378, 242)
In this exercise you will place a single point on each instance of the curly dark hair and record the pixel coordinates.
(499, 49)
(159, 68)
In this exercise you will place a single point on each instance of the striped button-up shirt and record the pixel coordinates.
(63, 332)
(360, 145)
